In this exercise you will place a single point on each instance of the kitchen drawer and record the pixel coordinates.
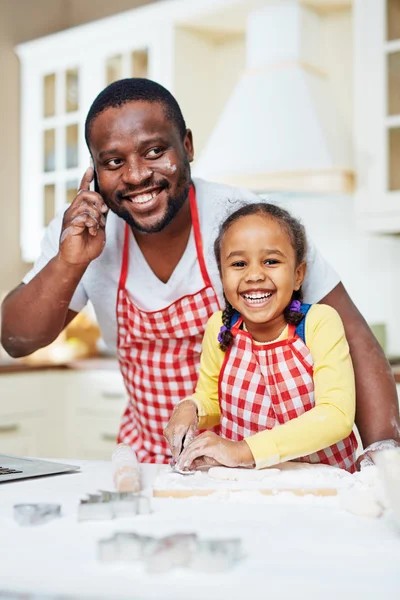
(94, 437)
(22, 394)
(22, 437)
(97, 392)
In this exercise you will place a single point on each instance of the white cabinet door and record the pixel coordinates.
(23, 403)
(377, 113)
(61, 414)
(95, 402)
(22, 437)
(95, 437)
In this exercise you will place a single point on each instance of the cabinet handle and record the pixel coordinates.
(113, 395)
(9, 428)
(109, 437)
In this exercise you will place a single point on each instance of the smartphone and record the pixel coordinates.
(96, 183)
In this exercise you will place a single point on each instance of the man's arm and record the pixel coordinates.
(377, 408)
(34, 314)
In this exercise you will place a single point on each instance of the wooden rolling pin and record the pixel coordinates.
(267, 492)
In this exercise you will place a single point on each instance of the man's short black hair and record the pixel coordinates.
(132, 90)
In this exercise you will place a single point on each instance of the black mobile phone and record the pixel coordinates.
(96, 183)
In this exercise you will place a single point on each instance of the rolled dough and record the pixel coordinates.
(239, 474)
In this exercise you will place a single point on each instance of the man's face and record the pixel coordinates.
(142, 164)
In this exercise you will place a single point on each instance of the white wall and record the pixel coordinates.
(366, 264)
(216, 63)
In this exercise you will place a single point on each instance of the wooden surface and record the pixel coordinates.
(20, 365)
(267, 492)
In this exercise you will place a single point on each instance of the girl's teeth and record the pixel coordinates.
(256, 298)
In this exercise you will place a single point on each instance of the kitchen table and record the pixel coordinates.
(294, 547)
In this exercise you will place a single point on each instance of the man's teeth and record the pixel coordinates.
(256, 298)
(142, 198)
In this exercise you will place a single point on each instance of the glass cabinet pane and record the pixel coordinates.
(71, 190)
(394, 158)
(49, 95)
(393, 19)
(113, 69)
(49, 144)
(71, 149)
(49, 194)
(72, 90)
(140, 63)
(393, 78)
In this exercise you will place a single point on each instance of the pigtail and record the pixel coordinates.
(292, 312)
(225, 336)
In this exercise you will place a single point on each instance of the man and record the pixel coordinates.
(140, 248)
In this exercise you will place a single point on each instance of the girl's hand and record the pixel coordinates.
(213, 449)
(182, 426)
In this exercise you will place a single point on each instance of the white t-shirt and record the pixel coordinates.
(99, 284)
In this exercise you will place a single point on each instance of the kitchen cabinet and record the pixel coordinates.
(377, 113)
(94, 403)
(23, 415)
(61, 413)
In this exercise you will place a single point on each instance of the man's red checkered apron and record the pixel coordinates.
(261, 387)
(159, 355)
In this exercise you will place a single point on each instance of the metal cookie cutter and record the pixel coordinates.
(175, 469)
(213, 556)
(124, 547)
(112, 505)
(35, 514)
(183, 550)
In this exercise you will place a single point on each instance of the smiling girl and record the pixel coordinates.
(275, 374)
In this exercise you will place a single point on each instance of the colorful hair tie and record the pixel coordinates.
(295, 306)
(221, 331)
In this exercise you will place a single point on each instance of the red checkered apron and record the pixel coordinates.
(261, 387)
(159, 355)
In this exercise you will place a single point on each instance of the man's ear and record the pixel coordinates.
(188, 145)
(300, 275)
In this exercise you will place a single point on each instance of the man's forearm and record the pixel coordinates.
(34, 314)
(377, 408)
(377, 414)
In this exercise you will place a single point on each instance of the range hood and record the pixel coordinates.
(280, 130)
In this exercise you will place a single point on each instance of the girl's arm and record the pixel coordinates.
(206, 393)
(332, 418)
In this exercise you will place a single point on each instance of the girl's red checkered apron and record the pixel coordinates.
(159, 355)
(261, 387)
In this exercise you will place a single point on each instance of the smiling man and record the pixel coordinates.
(140, 248)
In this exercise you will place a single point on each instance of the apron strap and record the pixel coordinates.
(197, 236)
(125, 255)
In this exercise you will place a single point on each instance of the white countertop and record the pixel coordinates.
(295, 547)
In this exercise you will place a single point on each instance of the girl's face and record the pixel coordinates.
(259, 273)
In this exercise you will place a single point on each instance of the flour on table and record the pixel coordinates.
(361, 502)
(231, 474)
(284, 476)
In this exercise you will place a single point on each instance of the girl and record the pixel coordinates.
(275, 374)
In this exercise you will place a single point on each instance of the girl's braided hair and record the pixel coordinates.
(297, 236)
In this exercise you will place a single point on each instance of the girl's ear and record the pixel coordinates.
(299, 275)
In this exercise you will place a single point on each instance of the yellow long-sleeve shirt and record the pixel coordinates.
(332, 418)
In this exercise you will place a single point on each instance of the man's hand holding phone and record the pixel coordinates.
(83, 230)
